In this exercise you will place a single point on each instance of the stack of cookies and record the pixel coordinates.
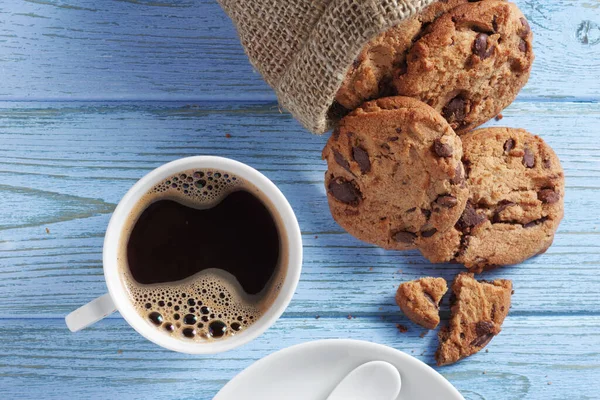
(406, 170)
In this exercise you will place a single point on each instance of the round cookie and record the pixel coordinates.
(371, 74)
(515, 204)
(470, 64)
(394, 173)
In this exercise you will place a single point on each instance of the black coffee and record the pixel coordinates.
(202, 256)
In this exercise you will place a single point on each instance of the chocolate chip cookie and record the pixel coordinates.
(478, 310)
(515, 204)
(394, 173)
(419, 300)
(371, 74)
(470, 63)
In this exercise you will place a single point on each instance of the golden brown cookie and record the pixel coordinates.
(394, 173)
(470, 63)
(515, 203)
(477, 311)
(370, 76)
(419, 300)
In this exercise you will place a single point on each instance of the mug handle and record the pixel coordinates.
(90, 313)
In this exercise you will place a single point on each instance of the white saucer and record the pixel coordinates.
(310, 371)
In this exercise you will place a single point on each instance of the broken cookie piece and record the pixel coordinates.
(477, 310)
(420, 299)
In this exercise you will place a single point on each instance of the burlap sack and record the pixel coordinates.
(303, 48)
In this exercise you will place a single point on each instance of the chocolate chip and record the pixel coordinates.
(429, 233)
(336, 133)
(404, 237)
(430, 299)
(345, 191)
(458, 176)
(535, 222)
(548, 196)
(503, 205)
(393, 138)
(509, 145)
(547, 163)
(483, 340)
(470, 218)
(455, 109)
(485, 332)
(361, 157)
(411, 210)
(480, 46)
(447, 201)
(523, 46)
(341, 160)
(528, 158)
(356, 63)
(442, 149)
(426, 213)
(464, 243)
(484, 327)
(526, 28)
(493, 313)
(398, 130)
(495, 24)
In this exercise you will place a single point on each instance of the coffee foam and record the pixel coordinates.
(210, 304)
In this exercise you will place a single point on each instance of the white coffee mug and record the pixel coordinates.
(117, 297)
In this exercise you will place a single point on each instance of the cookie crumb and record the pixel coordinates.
(499, 117)
(371, 269)
(419, 300)
(484, 372)
(316, 236)
(549, 383)
(422, 335)
(317, 316)
(119, 351)
(47, 230)
(228, 135)
(487, 350)
(349, 316)
(402, 328)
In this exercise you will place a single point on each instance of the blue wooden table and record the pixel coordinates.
(94, 94)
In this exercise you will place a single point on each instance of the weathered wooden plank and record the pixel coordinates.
(533, 357)
(65, 166)
(183, 49)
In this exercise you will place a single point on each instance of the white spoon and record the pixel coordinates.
(375, 380)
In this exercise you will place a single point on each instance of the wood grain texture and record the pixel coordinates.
(185, 49)
(110, 360)
(64, 166)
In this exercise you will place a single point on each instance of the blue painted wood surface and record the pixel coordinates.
(93, 95)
